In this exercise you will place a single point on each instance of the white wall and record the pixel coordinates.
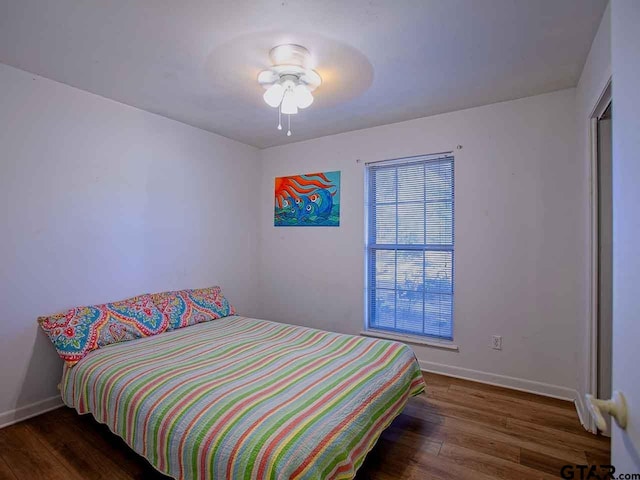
(625, 53)
(101, 201)
(518, 219)
(593, 81)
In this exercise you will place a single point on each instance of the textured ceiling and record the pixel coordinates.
(196, 61)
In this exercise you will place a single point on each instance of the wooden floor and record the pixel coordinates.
(458, 430)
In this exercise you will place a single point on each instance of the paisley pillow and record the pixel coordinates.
(83, 329)
(188, 307)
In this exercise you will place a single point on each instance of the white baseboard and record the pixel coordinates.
(28, 411)
(585, 417)
(530, 386)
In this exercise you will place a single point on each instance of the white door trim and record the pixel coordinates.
(592, 354)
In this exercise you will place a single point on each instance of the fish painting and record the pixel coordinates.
(312, 199)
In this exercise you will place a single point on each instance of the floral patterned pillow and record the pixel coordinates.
(188, 307)
(83, 329)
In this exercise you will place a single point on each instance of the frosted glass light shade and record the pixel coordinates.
(273, 95)
(303, 96)
(289, 104)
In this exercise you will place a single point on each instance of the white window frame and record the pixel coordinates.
(409, 337)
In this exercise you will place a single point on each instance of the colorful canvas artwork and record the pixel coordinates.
(309, 200)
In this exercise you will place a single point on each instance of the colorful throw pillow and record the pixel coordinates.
(83, 329)
(188, 307)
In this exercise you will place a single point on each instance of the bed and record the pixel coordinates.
(246, 398)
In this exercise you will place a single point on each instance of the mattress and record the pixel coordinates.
(242, 398)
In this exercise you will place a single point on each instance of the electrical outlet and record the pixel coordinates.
(496, 342)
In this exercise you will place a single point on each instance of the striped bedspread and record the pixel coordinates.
(240, 398)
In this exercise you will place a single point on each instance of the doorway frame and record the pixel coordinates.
(592, 386)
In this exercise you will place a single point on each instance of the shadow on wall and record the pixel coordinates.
(631, 449)
(42, 375)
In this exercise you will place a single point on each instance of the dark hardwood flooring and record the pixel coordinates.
(458, 430)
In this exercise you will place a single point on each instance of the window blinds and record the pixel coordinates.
(410, 246)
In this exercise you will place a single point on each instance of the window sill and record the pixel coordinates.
(413, 339)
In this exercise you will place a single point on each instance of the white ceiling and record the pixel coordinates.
(382, 61)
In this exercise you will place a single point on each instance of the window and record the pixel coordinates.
(410, 246)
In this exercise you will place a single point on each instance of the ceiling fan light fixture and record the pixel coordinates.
(290, 80)
(289, 104)
(273, 95)
(304, 98)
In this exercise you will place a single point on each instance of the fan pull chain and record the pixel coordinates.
(280, 116)
(289, 131)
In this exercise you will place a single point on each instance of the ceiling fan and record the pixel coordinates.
(289, 81)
